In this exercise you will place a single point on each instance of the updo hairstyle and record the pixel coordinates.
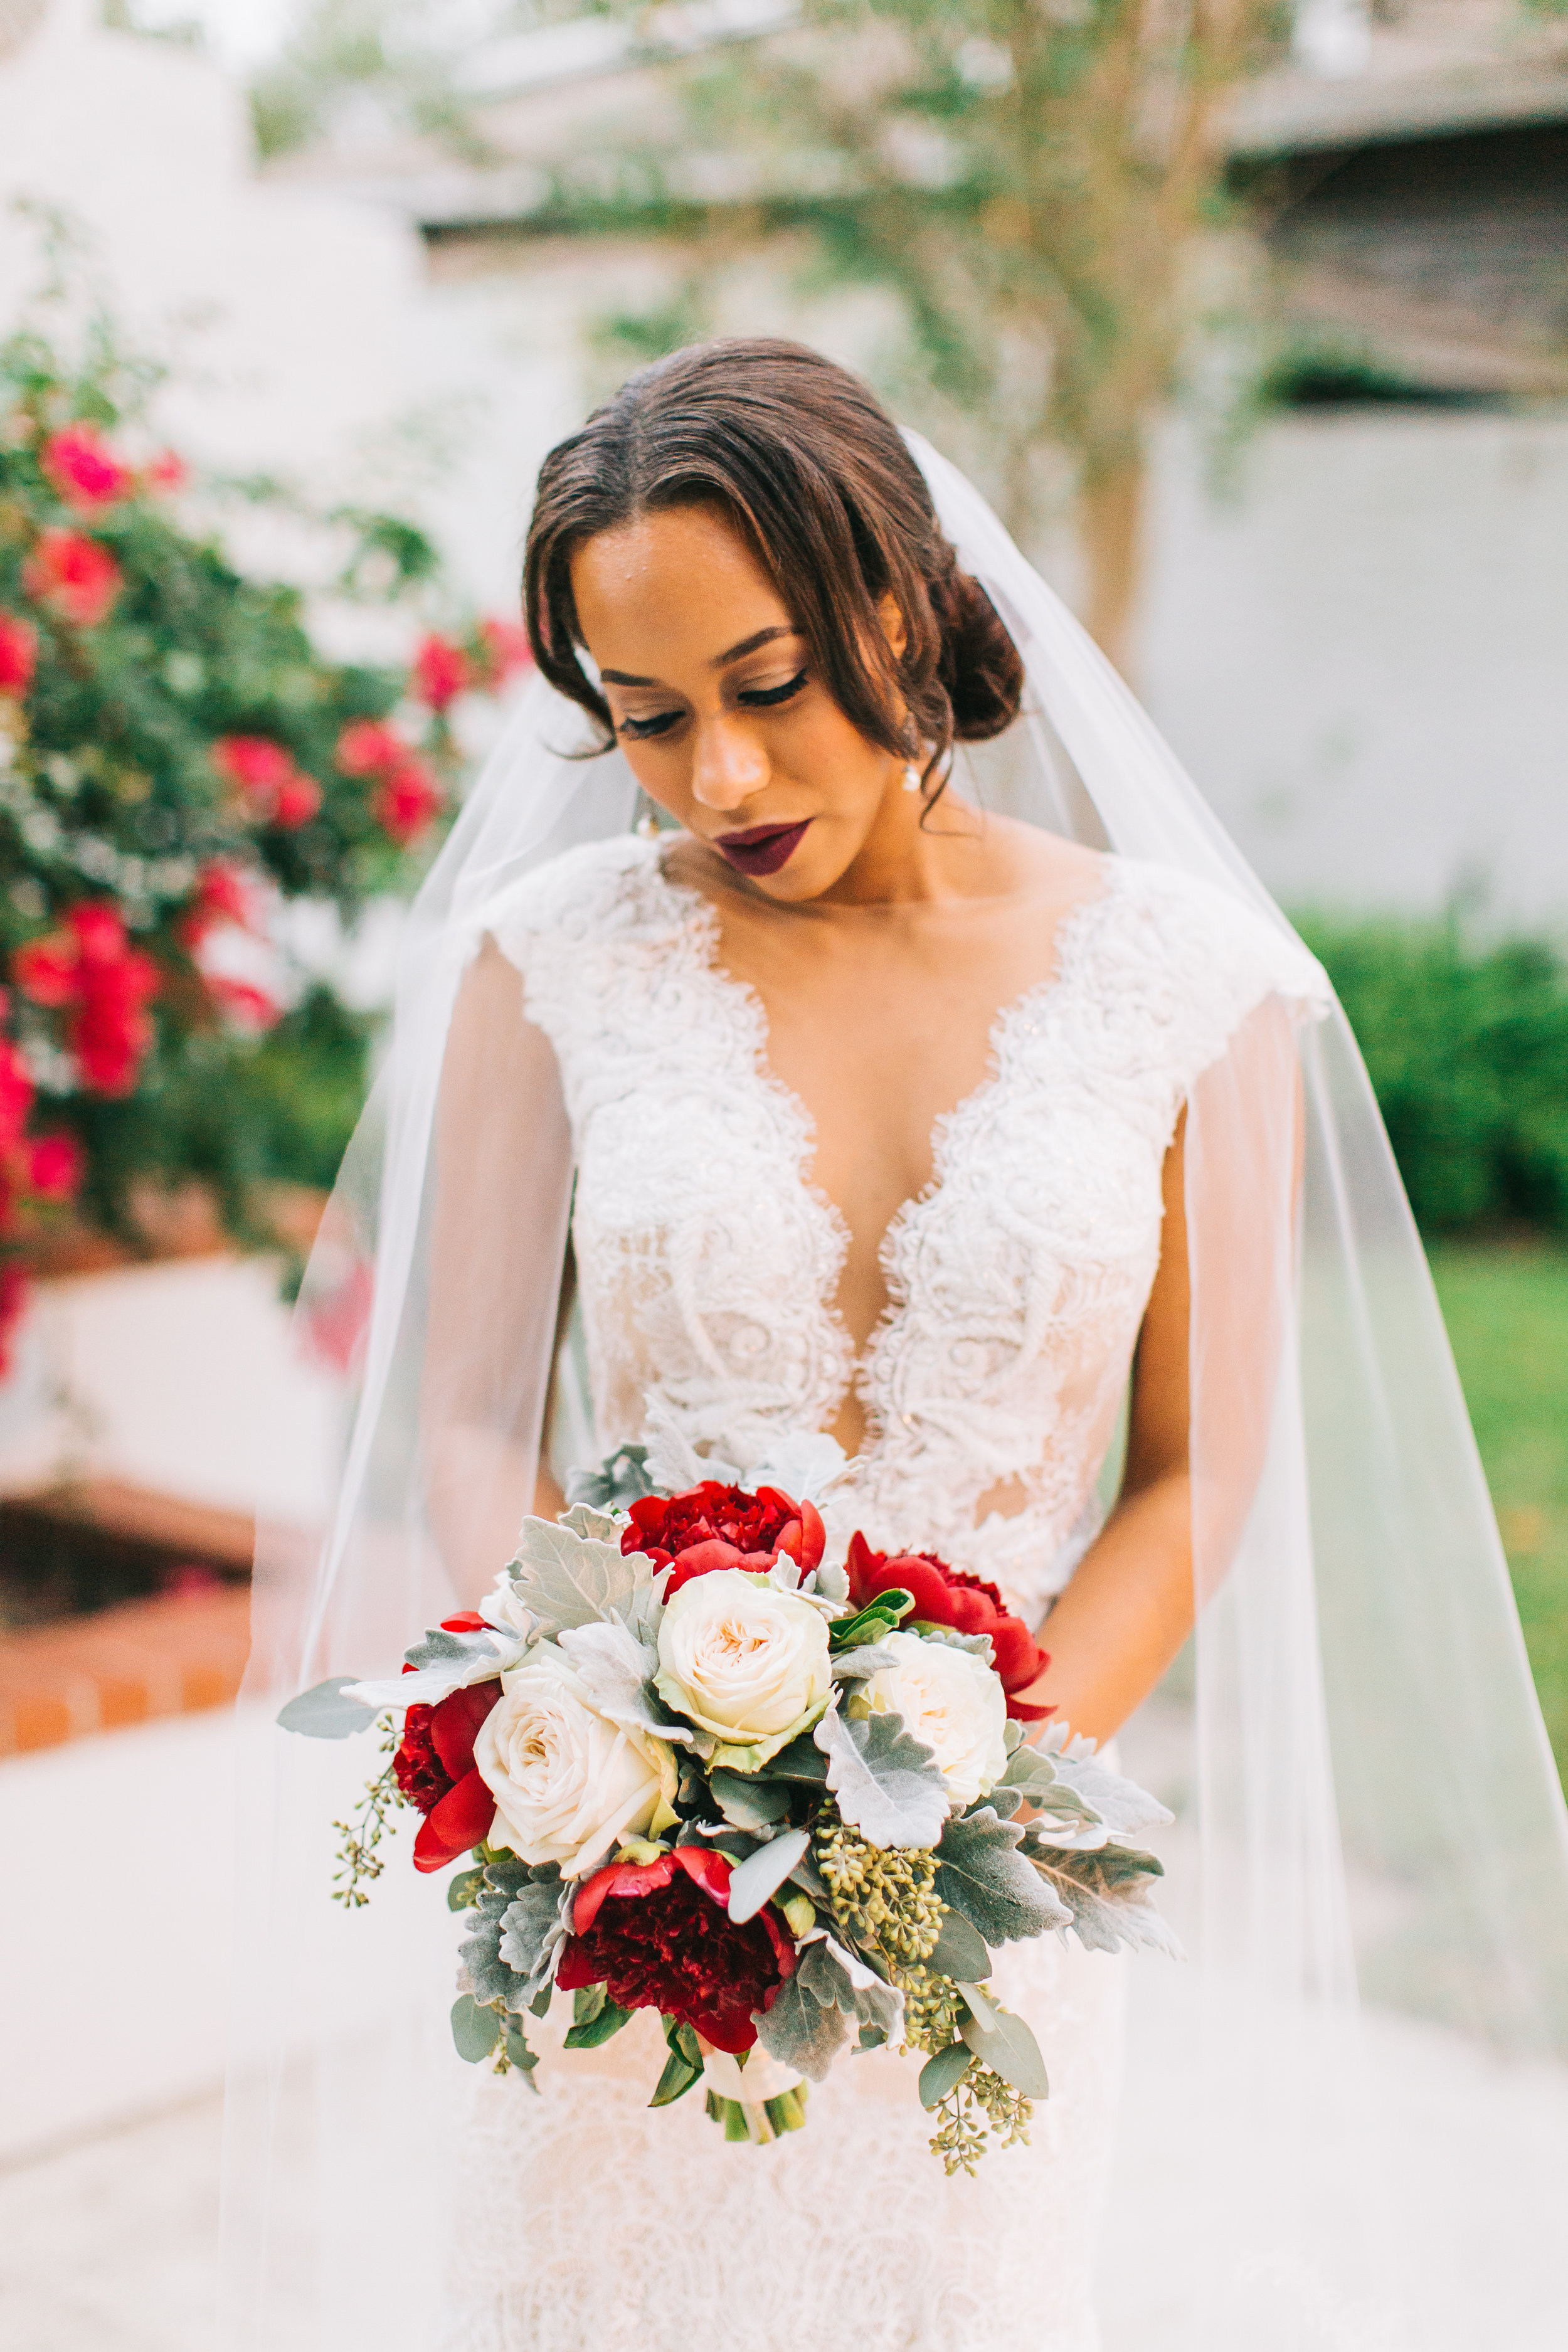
(819, 480)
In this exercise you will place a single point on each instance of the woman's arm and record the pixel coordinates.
(1129, 1607)
(502, 1183)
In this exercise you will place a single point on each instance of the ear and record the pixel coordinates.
(892, 621)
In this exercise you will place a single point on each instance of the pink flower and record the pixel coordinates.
(16, 1093)
(19, 653)
(73, 577)
(53, 1167)
(298, 800)
(406, 801)
(168, 472)
(85, 470)
(440, 672)
(506, 649)
(368, 745)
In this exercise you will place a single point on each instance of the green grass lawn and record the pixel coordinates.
(1507, 1311)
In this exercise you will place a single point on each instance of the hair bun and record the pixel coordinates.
(980, 666)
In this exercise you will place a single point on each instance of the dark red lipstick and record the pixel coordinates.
(761, 848)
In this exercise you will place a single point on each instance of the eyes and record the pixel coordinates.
(643, 729)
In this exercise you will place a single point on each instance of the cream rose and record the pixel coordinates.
(566, 1781)
(744, 1661)
(950, 1699)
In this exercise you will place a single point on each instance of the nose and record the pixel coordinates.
(729, 765)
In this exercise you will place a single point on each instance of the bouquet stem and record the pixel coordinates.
(759, 2124)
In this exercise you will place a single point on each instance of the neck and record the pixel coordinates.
(906, 862)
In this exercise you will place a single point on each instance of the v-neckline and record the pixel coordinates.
(1017, 1011)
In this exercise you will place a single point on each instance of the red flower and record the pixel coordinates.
(13, 1299)
(712, 1527)
(16, 1093)
(406, 801)
(436, 1771)
(440, 672)
(89, 967)
(503, 649)
(279, 792)
(658, 1935)
(53, 1167)
(18, 653)
(85, 470)
(73, 577)
(226, 893)
(369, 746)
(248, 1007)
(946, 1596)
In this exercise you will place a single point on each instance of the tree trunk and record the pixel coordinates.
(1110, 527)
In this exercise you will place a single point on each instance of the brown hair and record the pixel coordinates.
(817, 478)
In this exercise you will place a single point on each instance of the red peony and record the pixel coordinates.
(946, 1596)
(73, 577)
(84, 470)
(368, 747)
(406, 801)
(18, 653)
(436, 1771)
(712, 1527)
(658, 1935)
(440, 672)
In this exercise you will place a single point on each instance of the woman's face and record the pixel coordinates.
(718, 709)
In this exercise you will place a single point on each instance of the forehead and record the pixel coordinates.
(683, 581)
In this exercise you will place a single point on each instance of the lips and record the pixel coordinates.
(761, 848)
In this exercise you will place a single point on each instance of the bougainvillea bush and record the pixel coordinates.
(177, 759)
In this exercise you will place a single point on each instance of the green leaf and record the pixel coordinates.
(889, 1784)
(586, 2004)
(802, 1760)
(981, 1873)
(941, 2075)
(675, 2080)
(475, 2030)
(516, 2050)
(606, 2022)
(960, 1952)
(462, 1890)
(747, 1802)
(323, 1713)
(569, 1579)
(869, 1624)
(682, 2039)
(620, 1480)
(763, 1873)
(1106, 1895)
(1010, 2050)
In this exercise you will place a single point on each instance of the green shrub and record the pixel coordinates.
(1467, 1049)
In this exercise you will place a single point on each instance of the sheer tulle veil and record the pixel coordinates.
(1369, 1869)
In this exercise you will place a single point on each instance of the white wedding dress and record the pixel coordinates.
(707, 1265)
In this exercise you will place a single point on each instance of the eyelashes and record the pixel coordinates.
(761, 697)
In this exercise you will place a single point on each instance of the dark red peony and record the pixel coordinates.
(435, 1769)
(712, 1527)
(946, 1596)
(658, 1935)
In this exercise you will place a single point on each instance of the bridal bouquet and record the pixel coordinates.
(789, 1805)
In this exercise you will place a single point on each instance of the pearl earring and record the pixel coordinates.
(911, 778)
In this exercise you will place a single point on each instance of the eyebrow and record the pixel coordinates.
(720, 661)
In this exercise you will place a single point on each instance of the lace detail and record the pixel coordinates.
(1016, 1280)
(588, 2221)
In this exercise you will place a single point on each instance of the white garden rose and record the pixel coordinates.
(566, 1781)
(952, 1700)
(746, 1660)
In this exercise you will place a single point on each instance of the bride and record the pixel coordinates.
(847, 1091)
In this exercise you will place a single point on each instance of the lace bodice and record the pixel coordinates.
(1016, 1281)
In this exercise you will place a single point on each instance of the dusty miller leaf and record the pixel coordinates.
(1106, 1896)
(748, 1802)
(812, 2014)
(568, 1580)
(981, 1873)
(323, 1713)
(616, 1669)
(1120, 1804)
(889, 1784)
